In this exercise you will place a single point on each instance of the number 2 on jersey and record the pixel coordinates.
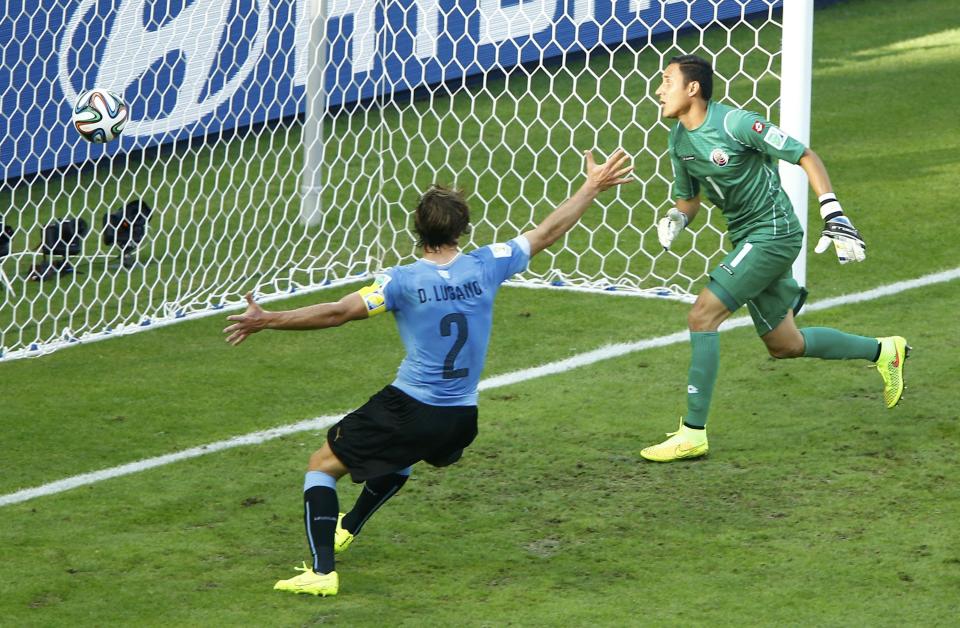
(446, 322)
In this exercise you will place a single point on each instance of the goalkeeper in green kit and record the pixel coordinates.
(730, 156)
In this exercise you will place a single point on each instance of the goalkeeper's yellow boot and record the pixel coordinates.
(341, 538)
(894, 351)
(682, 444)
(311, 582)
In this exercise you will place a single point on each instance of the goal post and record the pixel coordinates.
(281, 144)
(795, 95)
(311, 208)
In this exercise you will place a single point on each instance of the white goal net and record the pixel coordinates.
(279, 145)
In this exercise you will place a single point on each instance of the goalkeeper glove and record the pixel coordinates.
(838, 229)
(670, 226)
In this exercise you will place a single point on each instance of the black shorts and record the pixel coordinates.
(393, 431)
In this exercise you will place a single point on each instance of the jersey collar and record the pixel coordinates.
(706, 117)
(432, 263)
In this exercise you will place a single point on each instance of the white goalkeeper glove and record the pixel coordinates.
(838, 229)
(670, 226)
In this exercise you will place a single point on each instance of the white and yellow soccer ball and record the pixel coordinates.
(99, 115)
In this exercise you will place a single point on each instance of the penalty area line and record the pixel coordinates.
(584, 359)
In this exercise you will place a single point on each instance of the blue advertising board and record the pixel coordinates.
(189, 68)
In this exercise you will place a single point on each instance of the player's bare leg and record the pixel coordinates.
(785, 341)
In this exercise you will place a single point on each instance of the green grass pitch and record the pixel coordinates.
(816, 506)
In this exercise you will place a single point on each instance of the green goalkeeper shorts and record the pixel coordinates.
(759, 275)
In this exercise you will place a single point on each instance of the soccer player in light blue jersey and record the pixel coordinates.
(730, 156)
(443, 306)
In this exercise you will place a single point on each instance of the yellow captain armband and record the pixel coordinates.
(374, 295)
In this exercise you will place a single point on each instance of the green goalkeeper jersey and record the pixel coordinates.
(732, 158)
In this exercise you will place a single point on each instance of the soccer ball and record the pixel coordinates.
(99, 115)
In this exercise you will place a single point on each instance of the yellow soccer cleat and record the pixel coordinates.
(894, 351)
(341, 539)
(310, 582)
(684, 443)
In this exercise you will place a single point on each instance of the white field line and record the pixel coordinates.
(583, 359)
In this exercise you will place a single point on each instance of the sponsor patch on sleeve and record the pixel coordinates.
(501, 249)
(775, 137)
(758, 126)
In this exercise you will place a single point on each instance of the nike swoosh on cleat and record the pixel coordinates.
(896, 361)
(304, 586)
(683, 451)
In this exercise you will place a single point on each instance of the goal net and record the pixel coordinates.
(280, 145)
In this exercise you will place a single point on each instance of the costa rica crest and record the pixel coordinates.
(719, 157)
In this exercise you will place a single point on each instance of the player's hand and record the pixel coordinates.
(609, 174)
(250, 322)
(670, 226)
(847, 241)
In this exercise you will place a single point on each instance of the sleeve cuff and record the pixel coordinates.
(523, 243)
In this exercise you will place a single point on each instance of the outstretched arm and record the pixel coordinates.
(563, 218)
(319, 316)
